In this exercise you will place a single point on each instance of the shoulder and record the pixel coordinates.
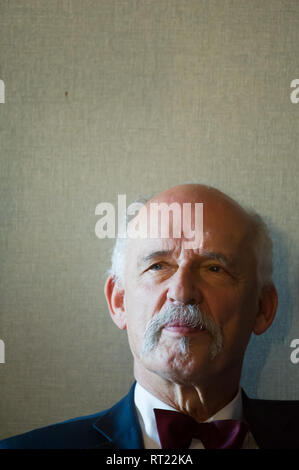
(283, 409)
(273, 423)
(77, 433)
(66, 434)
(271, 406)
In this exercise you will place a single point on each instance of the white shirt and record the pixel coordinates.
(145, 403)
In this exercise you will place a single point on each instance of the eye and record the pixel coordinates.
(215, 268)
(156, 267)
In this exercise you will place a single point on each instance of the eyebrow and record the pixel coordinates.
(153, 255)
(218, 256)
(166, 253)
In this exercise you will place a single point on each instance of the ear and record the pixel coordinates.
(267, 309)
(114, 294)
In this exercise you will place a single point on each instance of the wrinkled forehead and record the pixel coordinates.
(189, 227)
(161, 220)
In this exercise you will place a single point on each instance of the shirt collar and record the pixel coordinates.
(145, 403)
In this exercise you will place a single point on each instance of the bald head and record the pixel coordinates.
(191, 193)
(223, 218)
(216, 203)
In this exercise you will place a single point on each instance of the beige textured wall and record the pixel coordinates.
(129, 97)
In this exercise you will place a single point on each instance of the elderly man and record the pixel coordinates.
(189, 310)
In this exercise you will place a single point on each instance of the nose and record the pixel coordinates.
(183, 289)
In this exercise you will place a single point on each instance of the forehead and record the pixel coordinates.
(222, 230)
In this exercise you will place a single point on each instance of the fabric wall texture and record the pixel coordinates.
(108, 97)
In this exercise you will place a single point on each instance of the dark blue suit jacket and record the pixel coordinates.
(273, 424)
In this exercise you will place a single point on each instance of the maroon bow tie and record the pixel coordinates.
(176, 431)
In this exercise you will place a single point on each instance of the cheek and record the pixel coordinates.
(234, 308)
(135, 329)
(140, 306)
(235, 312)
(144, 299)
(222, 305)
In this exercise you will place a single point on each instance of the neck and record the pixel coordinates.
(199, 400)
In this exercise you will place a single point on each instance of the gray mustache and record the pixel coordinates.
(188, 315)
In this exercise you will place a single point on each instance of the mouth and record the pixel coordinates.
(183, 328)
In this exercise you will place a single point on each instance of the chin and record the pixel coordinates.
(177, 366)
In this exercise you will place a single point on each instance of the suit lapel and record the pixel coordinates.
(119, 426)
(259, 427)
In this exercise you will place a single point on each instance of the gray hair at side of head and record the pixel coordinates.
(119, 251)
(261, 240)
(263, 249)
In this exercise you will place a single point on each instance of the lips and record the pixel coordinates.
(183, 328)
(181, 324)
